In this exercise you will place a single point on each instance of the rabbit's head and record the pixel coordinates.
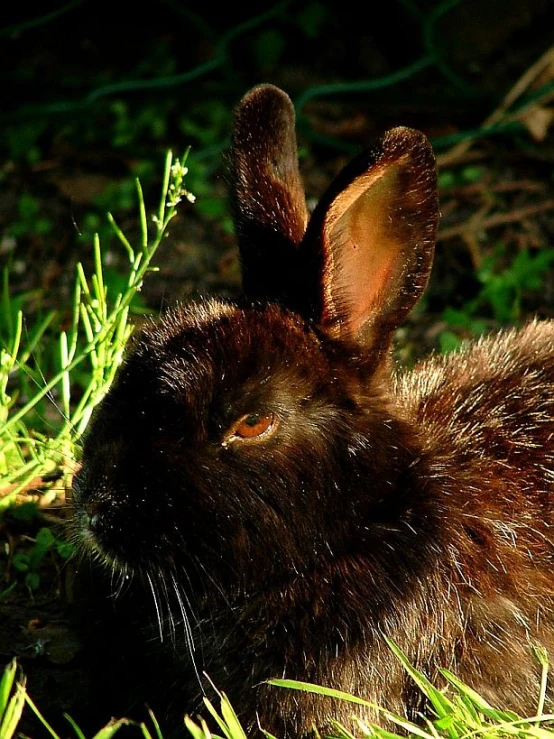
(233, 436)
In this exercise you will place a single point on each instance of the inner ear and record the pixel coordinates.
(366, 278)
(370, 243)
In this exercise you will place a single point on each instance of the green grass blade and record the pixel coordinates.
(143, 220)
(93, 345)
(541, 655)
(40, 717)
(98, 277)
(122, 238)
(6, 684)
(442, 705)
(197, 731)
(34, 336)
(165, 187)
(12, 713)
(227, 721)
(320, 690)
(155, 724)
(78, 733)
(66, 381)
(231, 718)
(220, 722)
(112, 728)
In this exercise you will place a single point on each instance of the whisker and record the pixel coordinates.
(170, 618)
(186, 621)
(156, 605)
(189, 637)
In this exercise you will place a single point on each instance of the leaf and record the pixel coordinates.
(341, 695)
(25, 512)
(65, 549)
(229, 724)
(231, 718)
(476, 699)
(20, 562)
(311, 18)
(320, 690)
(12, 713)
(449, 342)
(5, 593)
(40, 717)
(44, 538)
(79, 734)
(32, 580)
(268, 47)
(197, 732)
(112, 728)
(6, 684)
(442, 705)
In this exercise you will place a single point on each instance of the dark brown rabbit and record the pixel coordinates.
(289, 498)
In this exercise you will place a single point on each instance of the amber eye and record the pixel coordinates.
(252, 427)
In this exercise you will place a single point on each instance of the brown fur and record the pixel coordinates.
(415, 505)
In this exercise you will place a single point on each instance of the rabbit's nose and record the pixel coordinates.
(94, 520)
(97, 514)
(93, 502)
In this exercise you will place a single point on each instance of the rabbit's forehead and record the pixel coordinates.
(205, 314)
(224, 330)
(219, 343)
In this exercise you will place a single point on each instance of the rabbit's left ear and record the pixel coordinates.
(269, 205)
(368, 249)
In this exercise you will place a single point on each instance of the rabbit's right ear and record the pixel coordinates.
(368, 249)
(269, 205)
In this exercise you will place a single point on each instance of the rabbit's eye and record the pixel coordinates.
(252, 427)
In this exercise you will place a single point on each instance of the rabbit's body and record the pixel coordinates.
(466, 584)
(486, 428)
(289, 500)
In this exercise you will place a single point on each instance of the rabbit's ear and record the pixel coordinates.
(369, 246)
(267, 194)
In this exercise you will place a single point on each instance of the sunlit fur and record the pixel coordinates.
(415, 505)
(423, 514)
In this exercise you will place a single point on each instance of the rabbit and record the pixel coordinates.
(289, 497)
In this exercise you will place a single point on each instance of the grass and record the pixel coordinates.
(14, 697)
(458, 712)
(42, 418)
(455, 713)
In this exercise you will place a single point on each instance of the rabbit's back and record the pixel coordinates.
(492, 401)
(485, 417)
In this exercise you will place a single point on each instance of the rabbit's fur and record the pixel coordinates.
(414, 505)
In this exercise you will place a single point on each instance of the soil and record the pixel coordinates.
(63, 161)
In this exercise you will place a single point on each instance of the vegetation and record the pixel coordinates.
(456, 713)
(44, 418)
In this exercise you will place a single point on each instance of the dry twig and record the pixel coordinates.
(479, 223)
(502, 112)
